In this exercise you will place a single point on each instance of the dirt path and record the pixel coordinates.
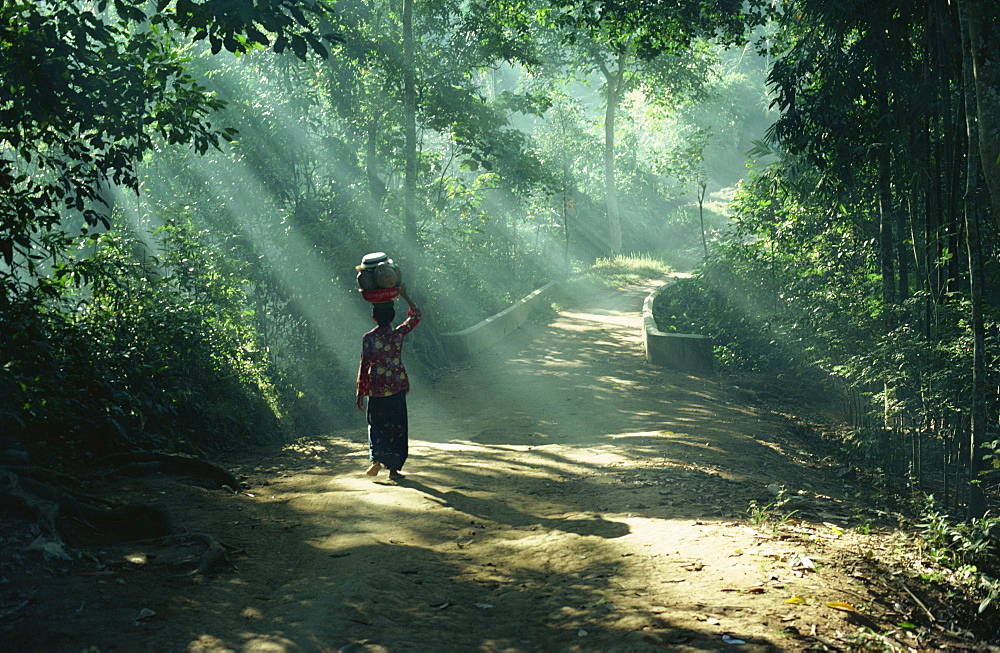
(561, 495)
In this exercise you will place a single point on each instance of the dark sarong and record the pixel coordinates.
(388, 437)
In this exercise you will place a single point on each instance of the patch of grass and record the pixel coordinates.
(761, 515)
(624, 269)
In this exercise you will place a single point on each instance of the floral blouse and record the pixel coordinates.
(382, 373)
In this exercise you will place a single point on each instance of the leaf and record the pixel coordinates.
(797, 600)
(800, 561)
(840, 605)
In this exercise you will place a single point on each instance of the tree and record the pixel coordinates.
(981, 79)
(409, 124)
(981, 23)
(86, 88)
(407, 99)
(629, 43)
(887, 109)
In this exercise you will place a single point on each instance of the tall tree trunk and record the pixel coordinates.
(615, 81)
(902, 257)
(702, 187)
(885, 239)
(982, 23)
(409, 126)
(376, 186)
(979, 414)
(566, 199)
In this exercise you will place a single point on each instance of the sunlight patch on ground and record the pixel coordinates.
(619, 382)
(583, 326)
(619, 319)
(551, 361)
(640, 434)
(423, 447)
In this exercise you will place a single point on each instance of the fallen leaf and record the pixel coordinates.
(797, 600)
(800, 561)
(840, 605)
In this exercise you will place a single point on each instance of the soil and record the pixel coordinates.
(560, 495)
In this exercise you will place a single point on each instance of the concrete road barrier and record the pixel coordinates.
(467, 342)
(685, 352)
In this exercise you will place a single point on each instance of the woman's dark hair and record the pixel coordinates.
(384, 315)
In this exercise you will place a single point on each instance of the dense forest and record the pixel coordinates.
(187, 187)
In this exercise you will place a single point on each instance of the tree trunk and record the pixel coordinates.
(376, 186)
(982, 24)
(702, 187)
(615, 80)
(886, 220)
(974, 126)
(886, 246)
(409, 126)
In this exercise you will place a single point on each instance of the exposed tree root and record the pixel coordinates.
(45, 504)
(217, 557)
(50, 499)
(26, 504)
(149, 462)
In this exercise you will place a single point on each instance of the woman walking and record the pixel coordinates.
(382, 378)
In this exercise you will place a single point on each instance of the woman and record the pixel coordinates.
(382, 378)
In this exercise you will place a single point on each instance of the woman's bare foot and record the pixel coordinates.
(374, 469)
(394, 475)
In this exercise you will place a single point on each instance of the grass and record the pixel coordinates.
(624, 269)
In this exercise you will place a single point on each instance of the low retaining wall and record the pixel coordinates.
(686, 352)
(467, 342)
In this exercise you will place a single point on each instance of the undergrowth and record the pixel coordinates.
(966, 555)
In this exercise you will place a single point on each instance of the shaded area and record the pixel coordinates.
(560, 496)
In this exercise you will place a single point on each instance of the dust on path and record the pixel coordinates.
(561, 495)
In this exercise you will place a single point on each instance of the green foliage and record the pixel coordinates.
(159, 353)
(217, 314)
(761, 514)
(85, 92)
(969, 552)
(650, 28)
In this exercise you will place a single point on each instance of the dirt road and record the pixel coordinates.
(561, 495)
